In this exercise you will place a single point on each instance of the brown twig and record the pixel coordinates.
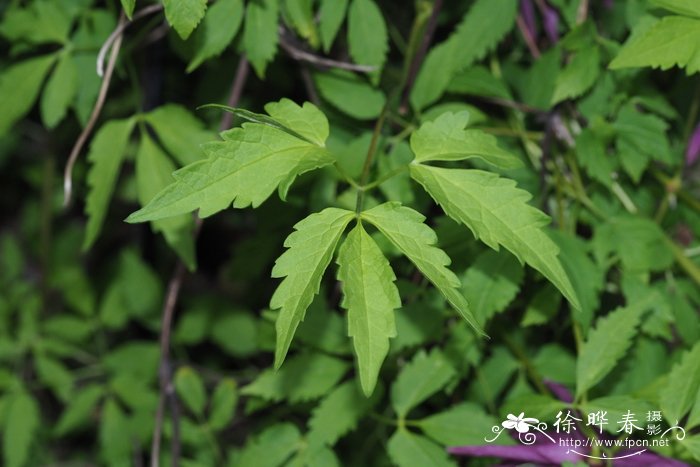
(529, 40)
(99, 103)
(582, 12)
(309, 85)
(417, 60)
(510, 104)
(167, 389)
(301, 55)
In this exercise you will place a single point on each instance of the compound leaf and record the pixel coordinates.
(370, 297)
(244, 168)
(310, 250)
(497, 213)
(404, 227)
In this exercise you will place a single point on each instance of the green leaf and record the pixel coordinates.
(368, 39)
(404, 227)
(410, 450)
(310, 250)
(306, 120)
(244, 168)
(337, 414)
(21, 420)
(331, 16)
(302, 378)
(219, 27)
(55, 375)
(271, 447)
(478, 81)
(497, 213)
(370, 296)
(223, 404)
(115, 435)
(153, 173)
(39, 22)
(302, 18)
(79, 409)
(180, 132)
(60, 91)
(578, 76)
(616, 408)
(491, 283)
(672, 41)
(128, 6)
(592, 155)
(640, 138)
(107, 152)
(606, 345)
(19, 87)
(422, 377)
(236, 333)
(349, 94)
(260, 33)
(445, 139)
(682, 7)
(483, 27)
(184, 15)
(460, 425)
(683, 386)
(190, 389)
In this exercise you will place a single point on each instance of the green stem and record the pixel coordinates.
(370, 157)
(384, 178)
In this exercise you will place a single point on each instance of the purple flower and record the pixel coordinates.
(527, 11)
(551, 24)
(693, 150)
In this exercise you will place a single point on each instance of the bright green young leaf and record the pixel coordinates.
(271, 447)
(370, 296)
(368, 39)
(682, 7)
(491, 283)
(497, 213)
(404, 227)
(407, 449)
(190, 389)
(338, 413)
(79, 409)
(606, 345)
(219, 27)
(483, 27)
(672, 41)
(445, 139)
(302, 18)
(153, 173)
(422, 377)
(350, 94)
(303, 377)
(331, 16)
(19, 87)
(683, 386)
(107, 152)
(243, 169)
(223, 404)
(184, 15)
(260, 33)
(310, 250)
(60, 90)
(21, 422)
(180, 132)
(128, 6)
(306, 120)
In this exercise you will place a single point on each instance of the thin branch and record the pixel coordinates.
(417, 60)
(167, 390)
(118, 32)
(309, 85)
(511, 104)
(529, 40)
(99, 103)
(582, 12)
(236, 91)
(321, 62)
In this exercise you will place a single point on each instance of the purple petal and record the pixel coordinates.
(693, 151)
(646, 459)
(551, 24)
(527, 11)
(608, 4)
(560, 391)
